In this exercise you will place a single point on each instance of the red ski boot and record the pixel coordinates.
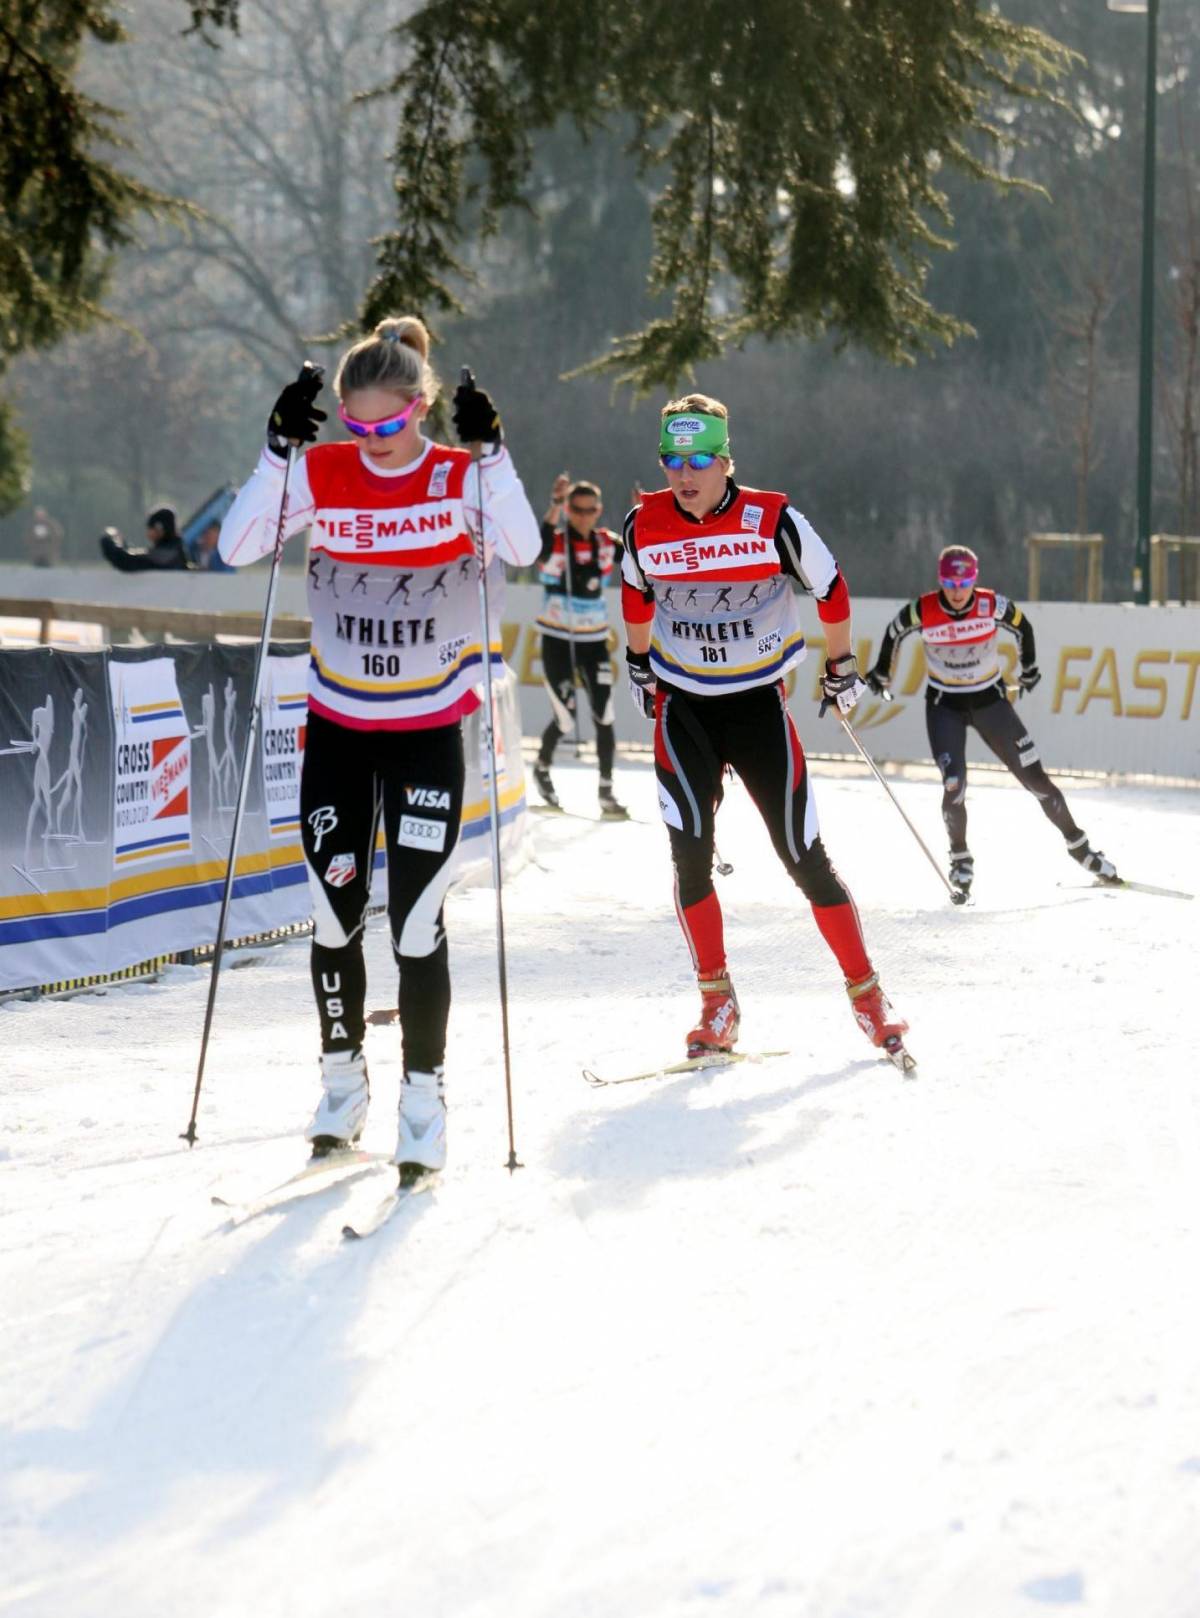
(874, 1015)
(720, 1017)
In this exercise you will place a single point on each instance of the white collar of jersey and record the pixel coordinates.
(397, 471)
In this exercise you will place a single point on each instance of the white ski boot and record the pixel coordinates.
(1095, 863)
(342, 1109)
(421, 1143)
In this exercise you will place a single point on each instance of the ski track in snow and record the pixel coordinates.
(799, 1338)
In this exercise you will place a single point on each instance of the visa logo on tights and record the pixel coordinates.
(427, 798)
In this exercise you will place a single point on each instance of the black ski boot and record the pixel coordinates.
(545, 786)
(610, 809)
(962, 874)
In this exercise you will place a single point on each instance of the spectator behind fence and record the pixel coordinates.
(165, 549)
(44, 540)
(206, 555)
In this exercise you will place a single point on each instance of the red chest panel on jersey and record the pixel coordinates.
(415, 520)
(942, 628)
(739, 544)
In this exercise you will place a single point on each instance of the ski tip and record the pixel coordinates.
(594, 1079)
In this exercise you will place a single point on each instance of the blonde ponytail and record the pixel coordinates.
(395, 358)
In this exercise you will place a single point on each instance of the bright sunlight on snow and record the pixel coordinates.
(798, 1337)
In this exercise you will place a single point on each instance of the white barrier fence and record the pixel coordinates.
(1119, 690)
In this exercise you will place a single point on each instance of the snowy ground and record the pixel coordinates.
(801, 1339)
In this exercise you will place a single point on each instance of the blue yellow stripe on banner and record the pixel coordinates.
(475, 816)
(170, 844)
(94, 910)
(151, 893)
(141, 713)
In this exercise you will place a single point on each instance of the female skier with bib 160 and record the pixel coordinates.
(394, 597)
(710, 577)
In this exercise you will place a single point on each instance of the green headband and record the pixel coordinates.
(692, 431)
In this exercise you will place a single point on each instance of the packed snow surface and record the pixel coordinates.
(797, 1338)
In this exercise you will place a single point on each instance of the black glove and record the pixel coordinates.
(476, 419)
(642, 684)
(841, 683)
(294, 417)
(880, 684)
(1029, 677)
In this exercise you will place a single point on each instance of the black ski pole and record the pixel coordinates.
(466, 380)
(571, 629)
(313, 374)
(955, 896)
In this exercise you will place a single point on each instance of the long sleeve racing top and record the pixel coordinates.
(392, 574)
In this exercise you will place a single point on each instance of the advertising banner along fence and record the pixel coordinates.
(1120, 689)
(119, 773)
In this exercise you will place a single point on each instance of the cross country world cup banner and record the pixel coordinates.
(152, 817)
(284, 722)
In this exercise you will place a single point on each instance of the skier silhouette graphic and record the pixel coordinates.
(70, 782)
(402, 583)
(41, 730)
(438, 584)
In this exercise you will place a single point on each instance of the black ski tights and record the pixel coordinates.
(997, 723)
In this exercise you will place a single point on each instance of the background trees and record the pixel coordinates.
(1028, 424)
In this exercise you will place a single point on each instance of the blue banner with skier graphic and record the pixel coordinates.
(119, 775)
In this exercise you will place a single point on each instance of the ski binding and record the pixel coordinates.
(413, 1181)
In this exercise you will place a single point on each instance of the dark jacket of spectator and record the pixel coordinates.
(165, 548)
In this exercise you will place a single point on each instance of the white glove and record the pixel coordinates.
(841, 683)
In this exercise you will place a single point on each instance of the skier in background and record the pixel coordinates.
(960, 624)
(577, 559)
(389, 686)
(711, 677)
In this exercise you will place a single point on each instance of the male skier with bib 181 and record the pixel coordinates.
(959, 625)
(709, 593)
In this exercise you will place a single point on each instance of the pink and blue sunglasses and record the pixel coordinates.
(388, 427)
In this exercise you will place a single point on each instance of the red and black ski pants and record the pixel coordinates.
(695, 738)
(411, 781)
